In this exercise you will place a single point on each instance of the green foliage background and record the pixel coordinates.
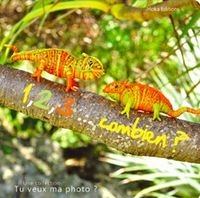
(156, 52)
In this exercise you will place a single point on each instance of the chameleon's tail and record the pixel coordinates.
(12, 47)
(181, 110)
(18, 56)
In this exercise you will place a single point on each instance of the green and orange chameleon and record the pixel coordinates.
(61, 64)
(145, 98)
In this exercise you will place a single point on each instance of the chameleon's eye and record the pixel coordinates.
(90, 62)
(116, 86)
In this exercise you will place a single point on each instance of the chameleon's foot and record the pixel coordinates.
(75, 84)
(71, 85)
(71, 88)
(37, 76)
(125, 112)
(156, 111)
(156, 117)
(67, 89)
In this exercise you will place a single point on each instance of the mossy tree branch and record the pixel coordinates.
(158, 10)
(181, 138)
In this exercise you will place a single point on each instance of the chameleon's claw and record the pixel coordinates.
(71, 88)
(156, 117)
(74, 88)
(71, 85)
(36, 75)
(67, 89)
(125, 112)
(156, 111)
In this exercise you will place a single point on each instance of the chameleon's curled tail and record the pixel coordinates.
(18, 56)
(12, 47)
(181, 110)
(15, 55)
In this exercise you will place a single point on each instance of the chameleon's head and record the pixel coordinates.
(91, 68)
(116, 87)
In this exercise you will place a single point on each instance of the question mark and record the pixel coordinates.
(183, 137)
(95, 188)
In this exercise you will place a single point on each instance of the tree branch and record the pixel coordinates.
(163, 9)
(99, 118)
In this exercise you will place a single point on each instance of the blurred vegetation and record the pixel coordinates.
(163, 53)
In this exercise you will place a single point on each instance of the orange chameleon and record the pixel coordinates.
(60, 63)
(145, 98)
